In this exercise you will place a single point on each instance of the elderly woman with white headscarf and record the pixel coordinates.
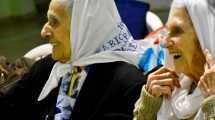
(191, 27)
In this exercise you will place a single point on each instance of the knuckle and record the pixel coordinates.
(200, 85)
(170, 81)
(211, 72)
(201, 78)
(173, 74)
(169, 74)
(150, 77)
(163, 67)
(207, 72)
(155, 88)
(200, 82)
(153, 82)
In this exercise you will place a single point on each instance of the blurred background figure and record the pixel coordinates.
(21, 22)
(160, 7)
(10, 73)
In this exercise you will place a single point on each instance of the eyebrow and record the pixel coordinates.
(179, 24)
(51, 15)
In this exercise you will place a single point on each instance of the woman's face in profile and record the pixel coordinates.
(183, 44)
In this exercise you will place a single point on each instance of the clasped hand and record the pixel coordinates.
(162, 82)
(207, 80)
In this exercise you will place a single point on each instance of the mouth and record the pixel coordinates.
(176, 55)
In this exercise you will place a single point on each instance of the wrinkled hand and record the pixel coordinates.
(207, 80)
(162, 82)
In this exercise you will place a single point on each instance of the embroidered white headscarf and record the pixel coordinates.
(182, 105)
(97, 36)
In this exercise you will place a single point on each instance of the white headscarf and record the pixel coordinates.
(182, 105)
(202, 14)
(97, 36)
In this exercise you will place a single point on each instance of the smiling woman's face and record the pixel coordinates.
(183, 44)
(57, 30)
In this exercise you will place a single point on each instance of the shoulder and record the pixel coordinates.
(48, 61)
(121, 72)
(118, 66)
(44, 64)
(128, 72)
(39, 73)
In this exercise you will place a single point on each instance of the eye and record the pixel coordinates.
(175, 31)
(53, 22)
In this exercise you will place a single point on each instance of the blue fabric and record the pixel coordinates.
(65, 99)
(133, 14)
(145, 60)
(160, 60)
(63, 106)
(152, 57)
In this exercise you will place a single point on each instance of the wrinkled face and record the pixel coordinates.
(183, 44)
(57, 31)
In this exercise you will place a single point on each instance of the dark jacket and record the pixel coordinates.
(109, 93)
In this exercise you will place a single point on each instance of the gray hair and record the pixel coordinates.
(68, 5)
(177, 4)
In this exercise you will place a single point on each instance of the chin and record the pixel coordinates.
(182, 69)
(62, 61)
(53, 56)
(185, 70)
(179, 66)
(56, 57)
(59, 59)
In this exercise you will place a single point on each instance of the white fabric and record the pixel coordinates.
(182, 105)
(39, 52)
(97, 36)
(203, 18)
(153, 21)
(202, 13)
(58, 71)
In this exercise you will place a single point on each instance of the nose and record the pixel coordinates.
(168, 42)
(46, 32)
